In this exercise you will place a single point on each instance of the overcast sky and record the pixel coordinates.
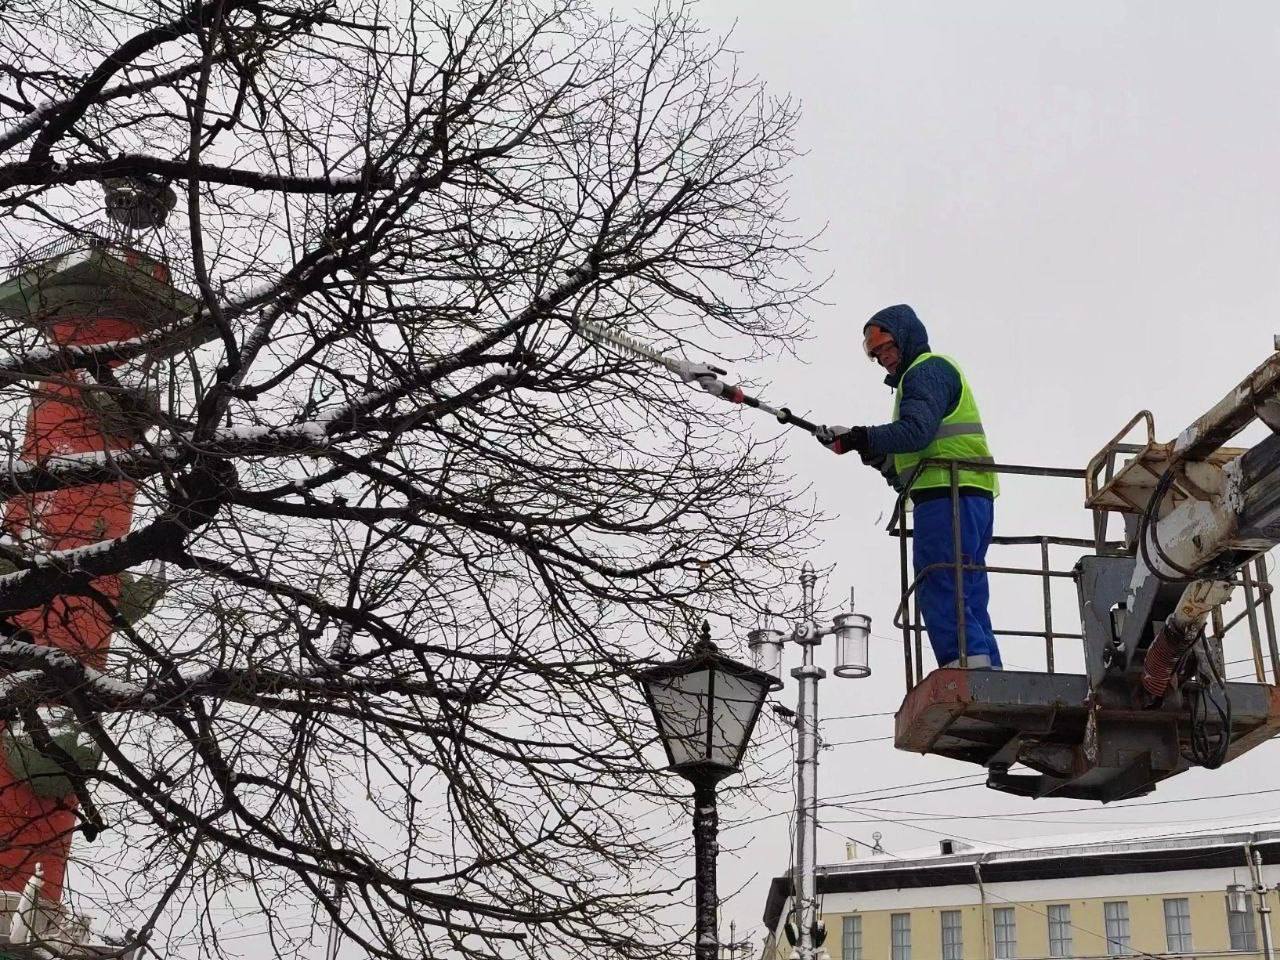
(1080, 200)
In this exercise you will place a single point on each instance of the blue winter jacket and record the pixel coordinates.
(929, 394)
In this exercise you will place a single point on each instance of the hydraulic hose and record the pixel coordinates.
(1162, 657)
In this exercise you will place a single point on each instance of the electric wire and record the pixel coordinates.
(859, 799)
(976, 777)
(846, 743)
(1147, 531)
(1206, 751)
(855, 804)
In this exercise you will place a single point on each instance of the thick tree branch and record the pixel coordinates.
(36, 173)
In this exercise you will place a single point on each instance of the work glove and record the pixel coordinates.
(844, 439)
(827, 435)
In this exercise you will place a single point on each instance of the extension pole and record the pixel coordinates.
(804, 877)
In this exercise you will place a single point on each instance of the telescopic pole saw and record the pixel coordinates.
(702, 375)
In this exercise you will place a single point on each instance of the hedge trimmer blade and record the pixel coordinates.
(705, 376)
(686, 371)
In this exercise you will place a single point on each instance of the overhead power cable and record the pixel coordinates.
(858, 805)
(976, 777)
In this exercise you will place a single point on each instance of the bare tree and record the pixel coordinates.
(416, 528)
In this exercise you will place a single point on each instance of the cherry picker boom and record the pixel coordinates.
(1199, 517)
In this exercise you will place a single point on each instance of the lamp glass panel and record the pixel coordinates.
(682, 714)
(737, 701)
(766, 651)
(1237, 898)
(852, 647)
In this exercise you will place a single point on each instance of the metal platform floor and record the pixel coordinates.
(1074, 748)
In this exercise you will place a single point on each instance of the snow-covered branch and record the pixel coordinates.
(30, 173)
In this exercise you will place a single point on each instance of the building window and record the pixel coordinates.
(1177, 925)
(900, 936)
(1244, 936)
(1059, 929)
(851, 939)
(1116, 915)
(1006, 933)
(952, 936)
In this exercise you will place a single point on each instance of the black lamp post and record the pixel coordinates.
(705, 706)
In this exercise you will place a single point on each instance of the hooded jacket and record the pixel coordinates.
(928, 394)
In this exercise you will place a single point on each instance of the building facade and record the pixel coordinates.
(1158, 897)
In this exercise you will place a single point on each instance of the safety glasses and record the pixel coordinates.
(876, 342)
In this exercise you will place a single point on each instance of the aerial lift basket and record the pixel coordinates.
(1154, 609)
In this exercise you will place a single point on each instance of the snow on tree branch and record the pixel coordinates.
(414, 532)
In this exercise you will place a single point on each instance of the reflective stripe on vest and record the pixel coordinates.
(958, 430)
(960, 436)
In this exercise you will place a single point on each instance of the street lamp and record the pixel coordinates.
(705, 706)
(1234, 897)
(852, 632)
(1237, 898)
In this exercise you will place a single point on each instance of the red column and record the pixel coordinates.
(35, 829)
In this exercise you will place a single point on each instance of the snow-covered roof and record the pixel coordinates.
(1155, 837)
(1076, 855)
(1110, 843)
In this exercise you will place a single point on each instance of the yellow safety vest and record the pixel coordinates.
(960, 437)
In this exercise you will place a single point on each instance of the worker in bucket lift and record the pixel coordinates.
(935, 417)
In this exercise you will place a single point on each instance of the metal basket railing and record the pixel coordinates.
(1256, 590)
(101, 235)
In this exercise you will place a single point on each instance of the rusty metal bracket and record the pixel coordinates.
(1231, 414)
(1099, 460)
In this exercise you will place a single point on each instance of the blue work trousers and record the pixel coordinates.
(932, 543)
